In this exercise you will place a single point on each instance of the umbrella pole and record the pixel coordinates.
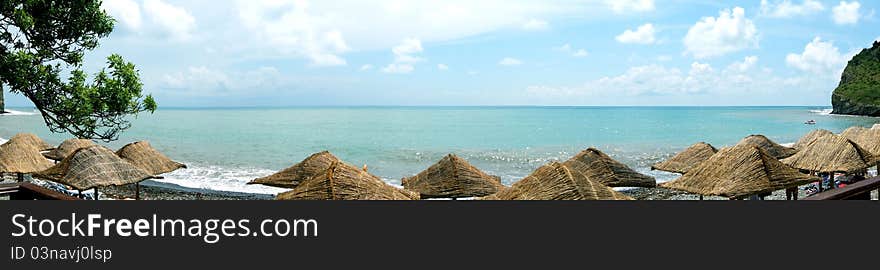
(137, 193)
(701, 197)
(20, 177)
(831, 185)
(79, 193)
(96, 193)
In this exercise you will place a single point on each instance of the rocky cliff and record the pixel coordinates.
(859, 89)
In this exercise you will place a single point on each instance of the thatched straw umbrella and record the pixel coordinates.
(869, 139)
(33, 140)
(774, 149)
(810, 137)
(832, 154)
(737, 172)
(601, 168)
(853, 131)
(93, 167)
(66, 148)
(144, 156)
(687, 159)
(307, 168)
(556, 181)
(345, 182)
(452, 177)
(21, 157)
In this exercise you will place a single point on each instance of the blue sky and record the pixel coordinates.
(457, 52)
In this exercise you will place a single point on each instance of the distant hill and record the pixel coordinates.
(859, 89)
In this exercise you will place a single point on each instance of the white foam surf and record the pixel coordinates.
(827, 112)
(822, 111)
(221, 179)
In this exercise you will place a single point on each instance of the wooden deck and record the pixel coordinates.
(28, 191)
(858, 191)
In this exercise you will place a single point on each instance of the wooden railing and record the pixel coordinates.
(28, 191)
(857, 191)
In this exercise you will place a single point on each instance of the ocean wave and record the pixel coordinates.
(822, 111)
(827, 112)
(221, 179)
(2, 140)
(18, 113)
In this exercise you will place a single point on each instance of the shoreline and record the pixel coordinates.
(164, 191)
(151, 190)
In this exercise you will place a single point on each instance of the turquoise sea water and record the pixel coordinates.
(227, 147)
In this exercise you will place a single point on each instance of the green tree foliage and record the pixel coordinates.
(41, 39)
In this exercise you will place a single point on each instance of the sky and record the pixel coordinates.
(204, 53)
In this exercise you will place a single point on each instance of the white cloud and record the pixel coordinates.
(623, 6)
(741, 80)
(508, 61)
(788, 9)
(398, 68)
(846, 12)
(642, 35)
(431, 21)
(205, 81)
(566, 48)
(405, 51)
(291, 29)
(366, 67)
(127, 12)
(442, 67)
(405, 56)
(730, 32)
(535, 25)
(272, 29)
(698, 68)
(747, 64)
(175, 21)
(195, 76)
(153, 17)
(637, 81)
(819, 57)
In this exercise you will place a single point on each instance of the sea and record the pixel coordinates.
(227, 147)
